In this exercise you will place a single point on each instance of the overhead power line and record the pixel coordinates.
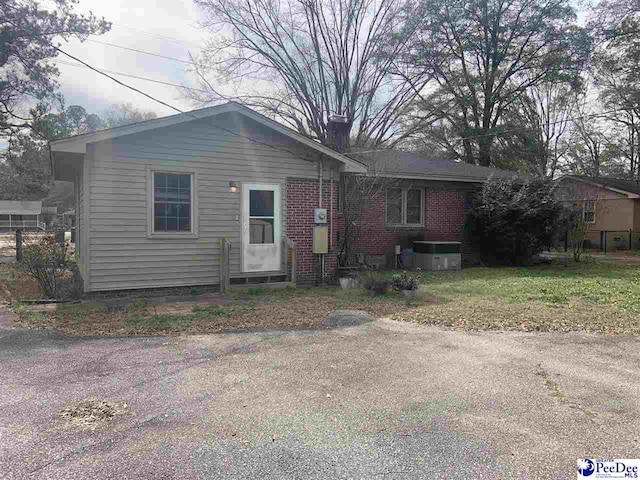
(162, 37)
(524, 129)
(258, 142)
(129, 75)
(188, 62)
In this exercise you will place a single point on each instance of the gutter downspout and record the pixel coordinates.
(320, 173)
(330, 208)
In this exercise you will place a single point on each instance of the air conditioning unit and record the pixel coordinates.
(438, 255)
(320, 215)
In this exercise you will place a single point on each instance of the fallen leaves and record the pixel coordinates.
(92, 414)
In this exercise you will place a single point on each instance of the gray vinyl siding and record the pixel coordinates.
(121, 254)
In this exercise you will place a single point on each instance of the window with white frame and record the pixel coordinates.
(404, 206)
(589, 211)
(172, 202)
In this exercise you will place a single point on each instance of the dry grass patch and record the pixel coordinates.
(91, 414)
(15, 285)
(294, 309)
(495, 313)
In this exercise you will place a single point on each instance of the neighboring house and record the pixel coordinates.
(610, 209)
(157, 200)
(24, 215)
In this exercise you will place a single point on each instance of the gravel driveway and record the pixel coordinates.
(380, 400)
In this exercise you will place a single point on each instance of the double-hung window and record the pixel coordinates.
(589, 211)
(172, 210)
(404, 206)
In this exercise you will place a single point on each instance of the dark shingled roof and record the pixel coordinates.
(409, 164)
(629, 186)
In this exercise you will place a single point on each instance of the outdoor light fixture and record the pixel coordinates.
(233, 187)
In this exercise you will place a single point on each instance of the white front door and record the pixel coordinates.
(261, 245)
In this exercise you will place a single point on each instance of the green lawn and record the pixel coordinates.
(589, 297)
(616, 286)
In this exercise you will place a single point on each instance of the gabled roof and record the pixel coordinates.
(17, 207)
(78, 143)
(401, 164)
(630, 188)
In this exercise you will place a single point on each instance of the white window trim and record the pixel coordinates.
(584, 211)
(404, 208)
(194, 203)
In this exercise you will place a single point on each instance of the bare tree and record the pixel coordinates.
(303, 60)
(485, 54)
(359, 193)
(536, 129)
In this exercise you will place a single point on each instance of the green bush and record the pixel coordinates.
(513, 220)
(47, 262)
(374, 283)
(405, 281)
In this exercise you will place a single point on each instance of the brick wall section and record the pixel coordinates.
(445, 204)
(444, 213)
(302, 200)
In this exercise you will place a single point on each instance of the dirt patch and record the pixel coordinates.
(92, 414)
(295, 311)
(15, 284)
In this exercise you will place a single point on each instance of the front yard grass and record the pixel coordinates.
(589, 297)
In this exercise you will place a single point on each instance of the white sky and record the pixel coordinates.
(136, 24)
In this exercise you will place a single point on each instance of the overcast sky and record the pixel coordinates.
(164, 27)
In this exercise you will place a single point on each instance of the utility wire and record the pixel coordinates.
(146, 79)
(523, 129)
(143, 52)
(162, 37)
(274, 147)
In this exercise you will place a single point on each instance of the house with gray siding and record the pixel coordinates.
(225, 195)
(155, 200)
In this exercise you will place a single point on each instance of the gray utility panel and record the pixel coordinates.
(435, 255)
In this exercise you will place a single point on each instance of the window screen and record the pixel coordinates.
(414, 206)
(394, 205)
(171, 202)
(589, 211)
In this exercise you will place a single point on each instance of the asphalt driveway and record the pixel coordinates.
(381, 400)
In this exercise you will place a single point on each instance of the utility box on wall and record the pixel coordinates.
(438, 255)
(320, 239)
(320, 215)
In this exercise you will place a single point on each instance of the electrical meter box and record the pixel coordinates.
(320, 215)
(320, 239)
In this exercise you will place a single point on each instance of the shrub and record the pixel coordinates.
(71, 286)
(47, 262)
(374, 284)
(511, 221)
(405, 281)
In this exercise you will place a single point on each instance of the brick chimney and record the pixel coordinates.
(338, 128)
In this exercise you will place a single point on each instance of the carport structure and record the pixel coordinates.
(16, 214)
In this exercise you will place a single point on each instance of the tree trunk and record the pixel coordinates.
(484, 151)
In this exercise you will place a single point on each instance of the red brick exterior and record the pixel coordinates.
(302, 200)
(444, 212)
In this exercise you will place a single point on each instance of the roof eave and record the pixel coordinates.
(78, 143)
(601, 185)
(443, 178)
